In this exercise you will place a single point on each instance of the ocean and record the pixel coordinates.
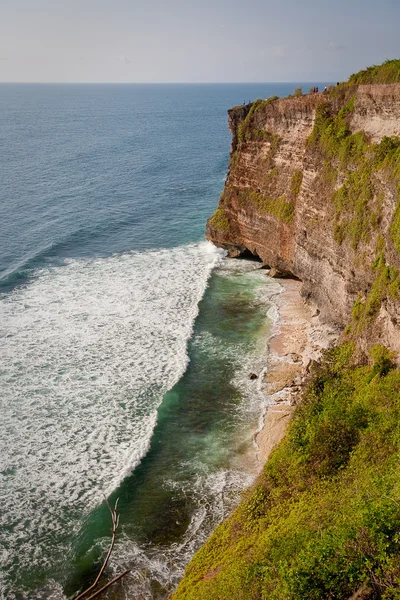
(126, 338)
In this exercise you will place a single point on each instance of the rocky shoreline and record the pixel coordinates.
(298, 340)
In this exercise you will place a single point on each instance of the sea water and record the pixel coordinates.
(126, 338)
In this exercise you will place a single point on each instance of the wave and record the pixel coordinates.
(20, 271)
(90, 348)
(215, 495)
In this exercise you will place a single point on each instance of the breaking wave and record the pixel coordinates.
(89, 349)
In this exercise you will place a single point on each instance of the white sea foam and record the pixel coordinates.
(215, 494)
(264, 290)
(89, 348)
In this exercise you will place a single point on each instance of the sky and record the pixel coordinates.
(194, 41)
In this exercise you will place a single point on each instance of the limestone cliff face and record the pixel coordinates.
(309, 192)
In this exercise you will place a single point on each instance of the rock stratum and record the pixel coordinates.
(313, 190)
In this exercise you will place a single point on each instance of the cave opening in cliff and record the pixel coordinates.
(248, 255)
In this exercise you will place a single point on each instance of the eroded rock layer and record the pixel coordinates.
(312, 190)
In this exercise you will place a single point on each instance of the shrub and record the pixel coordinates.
(323, 518)
(280, 208)
(387, 72)
(385, 285)
(220, 221)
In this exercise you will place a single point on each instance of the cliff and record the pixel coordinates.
(312, 190)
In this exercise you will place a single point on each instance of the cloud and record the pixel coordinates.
(124, 59)
(336, 47)
(273, 52)
(278, 51)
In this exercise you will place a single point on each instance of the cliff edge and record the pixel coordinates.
(312, 190)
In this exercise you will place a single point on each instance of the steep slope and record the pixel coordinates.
(323, 519)
(312, 190)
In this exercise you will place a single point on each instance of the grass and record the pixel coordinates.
(323, 519)
(332, 135)
(220, 221)
(353, 214)
(329, 174)
(388, 72)
(295, 183)
(244, 125)
(247, 130)
(386, 285)
(358, 202)
(280, 207)
(387, 159)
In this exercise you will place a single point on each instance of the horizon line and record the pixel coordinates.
(154, 82)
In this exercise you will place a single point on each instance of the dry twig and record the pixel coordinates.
(108, 584)
(115, 523)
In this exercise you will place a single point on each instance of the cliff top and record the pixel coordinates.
(387, 72)
(384, 76)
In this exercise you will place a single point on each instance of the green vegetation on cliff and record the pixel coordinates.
(388, 72)
(280, 208)
(220, 221)
(360, 166)
(323, 519)
(386, 285)
(246, 129)
(295, 183)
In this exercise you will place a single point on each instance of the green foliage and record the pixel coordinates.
(323, 519)
(387, 72)
(395, 226)
(295, 183)
(352, 216)
(358, 202)
(387, 159)
(382, 359)
(248, 131)
(332, 135)
(386, 285)
(328, 174)
(255, 134)
(244, 125)
(387, 153)
(220, 221)
(277, 207)
(259, 134)
(234, 159)
(270, 100)
(298, 92)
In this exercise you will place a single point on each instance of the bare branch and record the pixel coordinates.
(115, 522)
(109, 584)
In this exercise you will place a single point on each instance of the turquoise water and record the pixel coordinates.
(127, 339)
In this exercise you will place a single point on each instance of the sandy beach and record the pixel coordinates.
(298, 339)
